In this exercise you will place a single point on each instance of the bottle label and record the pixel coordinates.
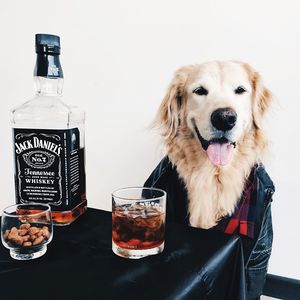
(47, 166)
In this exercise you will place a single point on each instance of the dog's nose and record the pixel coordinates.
(223, 118)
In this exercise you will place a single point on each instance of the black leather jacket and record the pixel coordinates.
(257, 251)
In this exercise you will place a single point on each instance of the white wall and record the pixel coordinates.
(118, 57)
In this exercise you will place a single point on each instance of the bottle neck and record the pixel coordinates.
(48, 75)
(48, 86)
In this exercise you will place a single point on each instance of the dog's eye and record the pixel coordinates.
(240, 90)
(201, 91)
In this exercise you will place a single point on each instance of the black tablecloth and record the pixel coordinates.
(79, 264)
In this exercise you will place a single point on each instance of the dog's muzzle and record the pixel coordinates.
(219, 150)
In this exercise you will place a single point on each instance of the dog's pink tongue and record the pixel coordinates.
(220, 154)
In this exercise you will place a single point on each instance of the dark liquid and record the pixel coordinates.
(138, 229)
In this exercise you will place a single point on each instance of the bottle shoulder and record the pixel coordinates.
(49, 103)
(47, 109)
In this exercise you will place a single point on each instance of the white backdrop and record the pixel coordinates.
(119, 56)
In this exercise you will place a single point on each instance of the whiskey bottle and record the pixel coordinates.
(48, 141)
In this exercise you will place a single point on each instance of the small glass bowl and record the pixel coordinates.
(26, 230)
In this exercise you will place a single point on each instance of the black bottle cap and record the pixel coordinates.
(47, 43)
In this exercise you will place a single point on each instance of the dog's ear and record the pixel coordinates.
(172, 108)
(262, 97)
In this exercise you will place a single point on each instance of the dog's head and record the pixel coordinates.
(219, 102)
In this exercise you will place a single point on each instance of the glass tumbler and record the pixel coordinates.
(138, 221)
(26, 229)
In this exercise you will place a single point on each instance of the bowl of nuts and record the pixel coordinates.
(26, 230)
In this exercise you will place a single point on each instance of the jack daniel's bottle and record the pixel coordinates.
(49, 141)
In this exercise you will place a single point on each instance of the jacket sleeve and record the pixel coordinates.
(165, 177)
(156, 178)
(257, 266)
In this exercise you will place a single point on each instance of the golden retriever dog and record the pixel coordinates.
(211, 121)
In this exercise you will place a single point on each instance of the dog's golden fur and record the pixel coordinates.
(213, 191)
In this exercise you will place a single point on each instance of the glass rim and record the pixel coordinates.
(164, 194)
(47, 206)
